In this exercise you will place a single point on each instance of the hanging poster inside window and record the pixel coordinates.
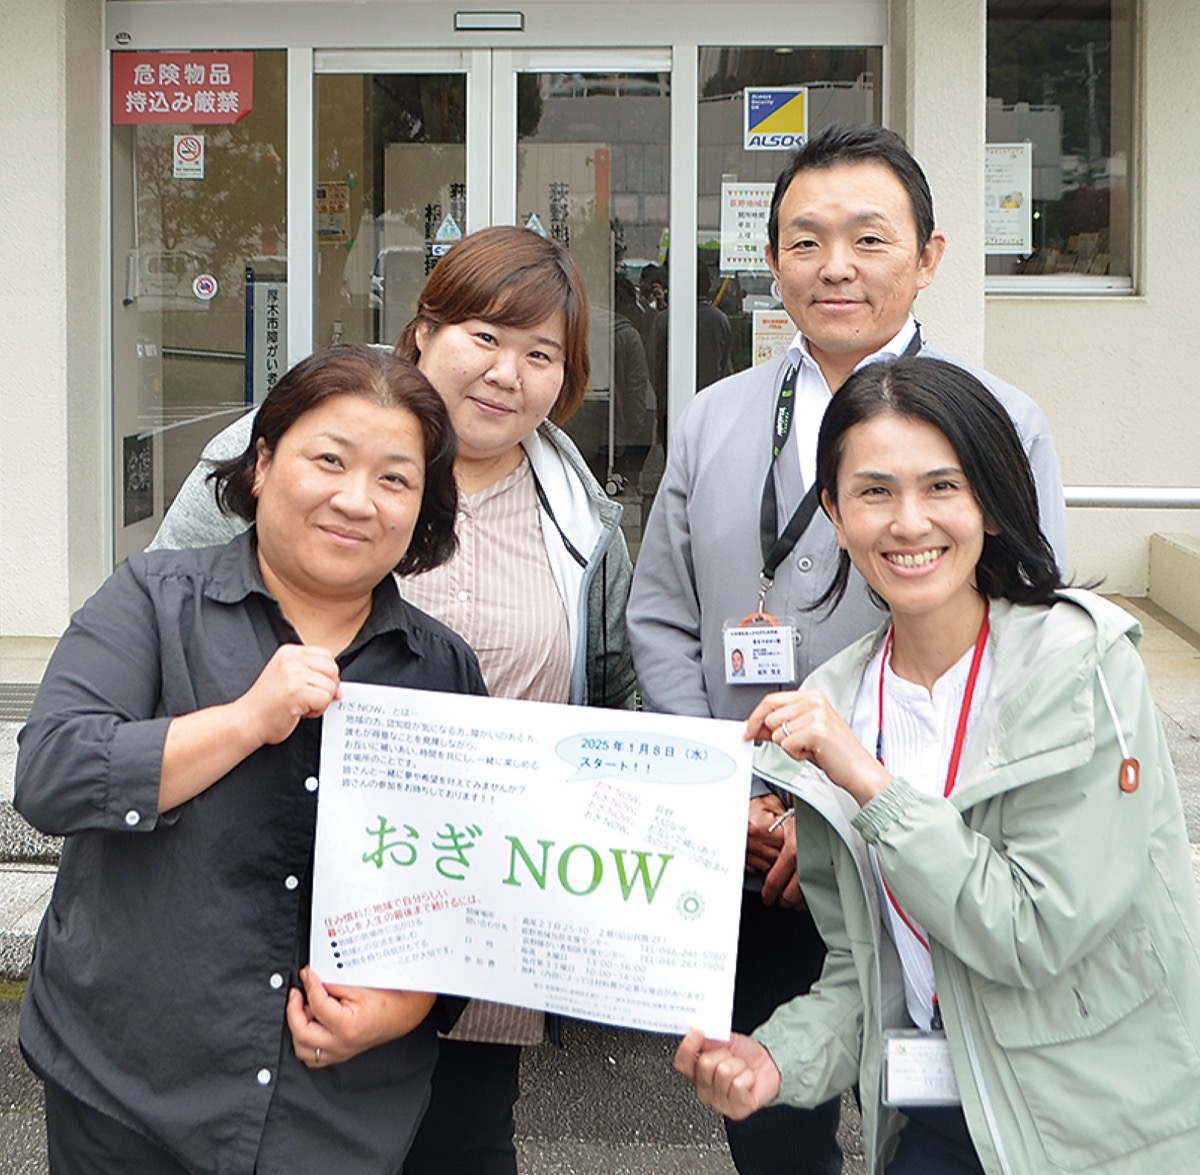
(745, 212)
(1008, 214)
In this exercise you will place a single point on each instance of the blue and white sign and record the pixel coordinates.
(776, 118)
(448, 234)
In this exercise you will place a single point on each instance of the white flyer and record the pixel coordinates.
(578, 860)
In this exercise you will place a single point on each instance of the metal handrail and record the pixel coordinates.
(1146, 497)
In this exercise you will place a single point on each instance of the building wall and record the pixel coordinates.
(1119, 376)
(53, 439)
(1116, 375)
(936, 91)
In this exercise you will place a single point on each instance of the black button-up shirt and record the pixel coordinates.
(163, 964)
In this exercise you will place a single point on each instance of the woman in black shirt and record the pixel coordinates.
(175, 744)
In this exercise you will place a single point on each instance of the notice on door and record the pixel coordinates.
(745, 213)
(182, 87)
(189, 157)
(578, 860)
(775, 118)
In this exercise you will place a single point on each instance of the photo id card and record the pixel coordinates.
(760, 654)
(917, 1070)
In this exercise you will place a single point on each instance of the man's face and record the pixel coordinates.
(847, 264)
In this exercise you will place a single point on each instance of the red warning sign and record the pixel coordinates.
(182, 87)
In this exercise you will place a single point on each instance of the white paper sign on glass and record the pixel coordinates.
(1008, 212)
(577, 860)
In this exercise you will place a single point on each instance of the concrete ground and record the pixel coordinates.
(608, 1102)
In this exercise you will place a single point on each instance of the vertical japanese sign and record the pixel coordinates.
(745, 210)
(182, 87)
(560, 212)
(582, 861)
(1008, 213)
(266, 333)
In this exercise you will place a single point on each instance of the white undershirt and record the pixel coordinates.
(813, 394)
(918, 738)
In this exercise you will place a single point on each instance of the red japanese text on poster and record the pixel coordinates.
(182, 87)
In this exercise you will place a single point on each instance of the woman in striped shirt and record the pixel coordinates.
(538, 586)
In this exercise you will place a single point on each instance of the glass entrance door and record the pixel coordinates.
(361, 166)
(395, 141)
(592, 156)
(413, 150)
(199, 273)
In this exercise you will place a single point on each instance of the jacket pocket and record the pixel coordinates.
(1103, 1059)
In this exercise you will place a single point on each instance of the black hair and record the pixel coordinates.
(1017, 563)
(379, 375)
(842, 143)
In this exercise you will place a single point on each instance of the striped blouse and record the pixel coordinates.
(498, 593)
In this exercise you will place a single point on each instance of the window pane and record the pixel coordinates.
(1061, 77)
(842, 86)
(391, 196)
(199, 238)
(592, 173)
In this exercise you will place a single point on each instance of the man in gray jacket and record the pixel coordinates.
(736, 552)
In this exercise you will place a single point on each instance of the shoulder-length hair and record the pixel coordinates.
(379, 375)
(1017, 563)
(512, 277)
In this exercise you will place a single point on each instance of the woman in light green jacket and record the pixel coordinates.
(993, 846)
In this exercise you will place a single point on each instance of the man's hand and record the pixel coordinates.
(762, 846)
(782, 883)
(734, 1077)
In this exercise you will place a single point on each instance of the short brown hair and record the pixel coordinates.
(512, 277)
(383, 377)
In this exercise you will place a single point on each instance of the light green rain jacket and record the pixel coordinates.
(1061, 912)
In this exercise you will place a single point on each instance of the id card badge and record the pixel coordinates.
(760, 650)
(917, 1070)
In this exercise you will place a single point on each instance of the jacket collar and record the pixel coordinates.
(1041, 654)
(236, 576)
(567, 478)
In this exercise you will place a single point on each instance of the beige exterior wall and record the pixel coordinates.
(52, 437)
(1119, 377)
(936, 97)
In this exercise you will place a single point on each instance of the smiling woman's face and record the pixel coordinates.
(338, 499)
(907, 516)
(499, 382)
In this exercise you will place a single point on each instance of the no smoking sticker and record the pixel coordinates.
(189, 157)
(205, 287)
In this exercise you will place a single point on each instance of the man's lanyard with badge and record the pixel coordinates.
(761, 649)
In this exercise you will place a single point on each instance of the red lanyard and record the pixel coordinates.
(960, 737)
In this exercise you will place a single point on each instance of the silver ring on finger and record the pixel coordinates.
(317, 1058)
(786, 733)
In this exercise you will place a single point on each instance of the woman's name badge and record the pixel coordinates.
(917, 1070)
(760, 650)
